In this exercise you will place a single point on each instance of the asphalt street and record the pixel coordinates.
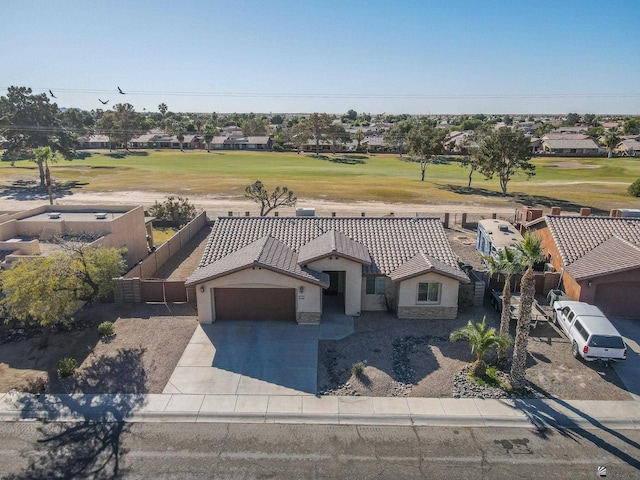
(220, 450)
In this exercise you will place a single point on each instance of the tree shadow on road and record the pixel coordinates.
(548, 420)
(90, 446)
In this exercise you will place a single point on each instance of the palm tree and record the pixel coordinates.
(531, 252)
(506, 263)
(611, 140)
(481, 341)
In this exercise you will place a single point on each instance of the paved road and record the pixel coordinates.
(174, 450)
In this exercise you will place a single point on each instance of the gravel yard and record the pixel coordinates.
(415, 358)
(149, 341)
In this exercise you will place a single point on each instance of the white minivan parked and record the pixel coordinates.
(590, 332)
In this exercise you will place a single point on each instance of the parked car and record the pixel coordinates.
(590, 332)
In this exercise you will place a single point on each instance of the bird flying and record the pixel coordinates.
(120, 90)
(105, 102)
(52, 95)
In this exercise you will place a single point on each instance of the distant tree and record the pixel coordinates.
(634, 188)
(508, 120)
(504, 153)
(611, 140)
(80, 122)
(319, 127)
(162, 108)
(358, 137)
(299, 134)
(209, 133)
(44, 157)
(396, 136)
(470, 124)
(590, 119)
(280, 197)
(631, 126)
(471, 148)
(426, 141)
(122, 124)
(277, 119)
(571, 120)
(338, 136)
(254, 127)
(544, 129)
(351, 115)
(179, 211)
(29, 121)
(596, 132)
(481, 339)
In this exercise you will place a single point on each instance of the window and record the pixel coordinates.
(583, 333)
(376, 285)
(429, 292)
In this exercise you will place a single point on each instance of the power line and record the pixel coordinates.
(348, 95)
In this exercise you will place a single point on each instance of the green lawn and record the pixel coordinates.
(600, 183)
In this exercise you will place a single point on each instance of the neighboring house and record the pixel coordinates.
(455, 141)
(628, 148)
(93, 141)
(536, 145)
(599, 258)
(567, 144)
(148, 140)
(293, 268)
(31, 233)
(494, 235)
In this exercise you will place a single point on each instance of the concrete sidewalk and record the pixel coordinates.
(322, 410)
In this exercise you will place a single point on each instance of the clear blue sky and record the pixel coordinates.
(539, 56)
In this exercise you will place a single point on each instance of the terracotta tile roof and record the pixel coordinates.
(587, 143)
(576, 236)
(422, 263)
(612, 256)
(334, 243)
(390, 241)
(266, 252)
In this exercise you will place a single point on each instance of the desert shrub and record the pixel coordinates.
(106, 329)
(357, 369)
(634, 188)
(179, 211)
(66, 367)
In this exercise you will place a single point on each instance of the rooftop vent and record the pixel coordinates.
(54, 215)
(504, 228)
(101, 215)
(305, 212)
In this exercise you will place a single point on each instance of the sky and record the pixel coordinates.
(417, 57)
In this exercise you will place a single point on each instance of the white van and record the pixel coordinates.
(590, 332)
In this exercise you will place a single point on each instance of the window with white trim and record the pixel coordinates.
(429, 292)
(376, 285)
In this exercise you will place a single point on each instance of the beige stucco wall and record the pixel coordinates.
(376, 302)
(309, 301)
(408, 304)
(353, 280)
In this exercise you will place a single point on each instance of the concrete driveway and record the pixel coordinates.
(245, 358)
(629, 370)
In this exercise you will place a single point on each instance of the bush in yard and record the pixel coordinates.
(634, 188)
(106, 329)
(179, 211)
(66, 367)
(357, 369)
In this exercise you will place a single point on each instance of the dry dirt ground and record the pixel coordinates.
(149, 341)
(415, 358)
(185, 262)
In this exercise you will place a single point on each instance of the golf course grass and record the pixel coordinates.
(600, 183)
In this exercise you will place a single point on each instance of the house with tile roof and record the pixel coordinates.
(599, 258)
(570, 144)
(296, 268)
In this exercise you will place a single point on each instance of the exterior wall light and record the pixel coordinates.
(201, 288)
(301, 289)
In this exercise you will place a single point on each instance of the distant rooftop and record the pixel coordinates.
(73, 216)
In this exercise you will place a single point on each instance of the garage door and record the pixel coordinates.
(255, 303)
(619, 299)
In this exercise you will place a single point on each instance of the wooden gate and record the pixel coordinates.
(163, 291)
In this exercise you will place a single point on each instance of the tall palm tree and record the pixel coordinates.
(506, 263)
(531, 252)
(481, 340)
(611, 140)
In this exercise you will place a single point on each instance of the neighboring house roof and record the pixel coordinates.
(334, 243)
(144, 138)
(630, 144)
(94, 139)
(390, 242)
(564, 136)
(259, 139)
(576, 236)
(266, 252)
(421, 263)
(612, 256)
(583, 144)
